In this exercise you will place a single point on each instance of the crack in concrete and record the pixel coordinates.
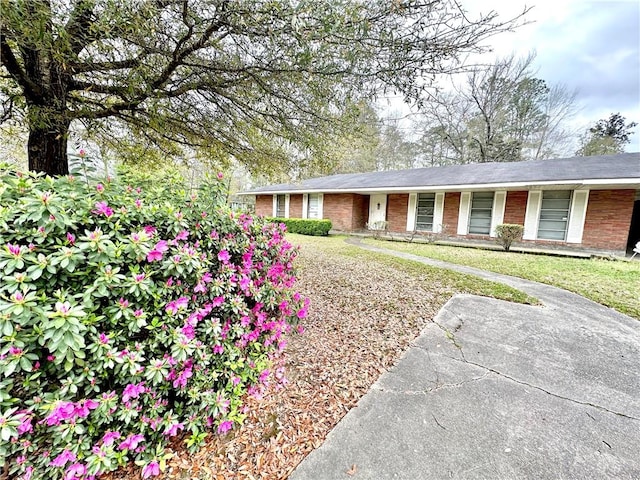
(548, 392)
(429, 390)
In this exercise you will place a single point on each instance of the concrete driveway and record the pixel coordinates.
(496, 390)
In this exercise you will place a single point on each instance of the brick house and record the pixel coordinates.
(589, 203)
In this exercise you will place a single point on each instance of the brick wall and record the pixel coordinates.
(360, 212)
(608, 219)
(338, 207)
(295, 206)
(264, 205)
(450, 213)
(397, 206)
(515, 207)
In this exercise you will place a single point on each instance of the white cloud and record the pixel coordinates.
(590, 46)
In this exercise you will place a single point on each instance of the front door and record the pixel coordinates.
(377, 212)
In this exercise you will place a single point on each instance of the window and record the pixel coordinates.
(554, 215)
(313, 206)
(424, 211)
(480, 217)
(280, 206)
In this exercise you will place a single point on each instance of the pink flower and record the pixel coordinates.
(102, 208)
(173, 306)
(150, 230)
(13, 249)
(76, 471)
(189, 332)
(110, 437)
(151, 470)
(62, 411)
(224, 256)
(28, 472)
(133, 391)
(183, 235)
(103, 339)
(172, 430)
(220, 175)
(71, 238)
(62, 459)
(217, 302)
(25, 424)
(218, 349)
(158, 250)
(100, 188)
(225, 426)
(131, 442)
(15, 351)
(82, 152)
(154, 256)
(302, 313)
(84, 407)
(138, 203)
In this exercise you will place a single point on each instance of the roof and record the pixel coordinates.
(616, 171)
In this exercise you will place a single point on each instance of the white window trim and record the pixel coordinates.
(577, 215)
(286, 205)
(497, 212)
(320, 206)
(305, 204)
(438, 212)
(463, 213)
(532, 215)
(411, 212)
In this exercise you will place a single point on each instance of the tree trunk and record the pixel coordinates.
(47, 149)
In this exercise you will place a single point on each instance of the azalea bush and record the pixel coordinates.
(129, 316)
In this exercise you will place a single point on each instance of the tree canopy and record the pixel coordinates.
(607, 137)
(501, 113)
(250, 79)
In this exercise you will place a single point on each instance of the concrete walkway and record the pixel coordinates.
(496, 390)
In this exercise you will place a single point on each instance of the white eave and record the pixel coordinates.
(605, 183)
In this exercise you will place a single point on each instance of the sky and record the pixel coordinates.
(592, 46)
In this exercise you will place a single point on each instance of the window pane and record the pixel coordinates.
(280, 210)
(424, 211)
(554, 215)
(480, 216)
(313, 206)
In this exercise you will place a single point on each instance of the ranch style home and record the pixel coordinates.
(586, 203)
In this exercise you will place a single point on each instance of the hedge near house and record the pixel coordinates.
(129, 316)
(305, 226)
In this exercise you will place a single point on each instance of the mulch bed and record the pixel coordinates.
(363, 317)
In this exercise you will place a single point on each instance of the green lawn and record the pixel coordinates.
(452, 282)
(615, 284)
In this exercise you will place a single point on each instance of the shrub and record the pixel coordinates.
(305, 226)
(507, 233)
(128, 317)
